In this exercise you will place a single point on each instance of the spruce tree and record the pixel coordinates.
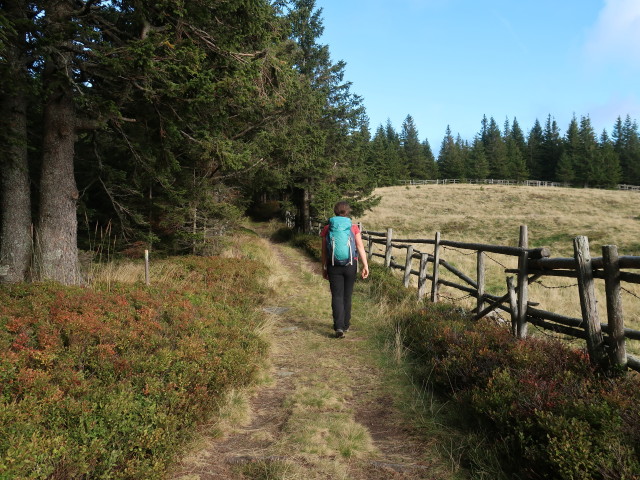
(341, 114)
(551, 149)
(15, 195)
(534, 152)
(627, 145)
(477, 166)
(517, 167)
(432, 166)
(395, 165)
(517, 135)
(413, 152)
(495, 150)
(611, 171)
(587, 159)
(377, 158)
(566, 169)
(450, 159)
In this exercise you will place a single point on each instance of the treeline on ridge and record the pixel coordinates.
(580, 157)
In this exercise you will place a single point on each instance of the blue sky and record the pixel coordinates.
(449, 62)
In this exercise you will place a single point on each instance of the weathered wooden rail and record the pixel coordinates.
(497, 181)
(606, 342)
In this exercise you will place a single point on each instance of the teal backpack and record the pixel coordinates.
(341, 243)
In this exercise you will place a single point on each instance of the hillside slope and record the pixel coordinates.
(493, 214)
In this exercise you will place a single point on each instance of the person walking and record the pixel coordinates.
(340, 264)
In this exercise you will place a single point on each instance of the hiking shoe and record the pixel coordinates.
(339, 333)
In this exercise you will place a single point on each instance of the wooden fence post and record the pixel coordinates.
(523, 284)
(588, 303)
(407, 266)
(387, 253)
(513, 303)
(436, 268)
(370, 248)
(422, 275)
(480, 279)
(146, 267)
(615, 318)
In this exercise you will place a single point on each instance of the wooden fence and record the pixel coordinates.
(606, 342)
(494, 181)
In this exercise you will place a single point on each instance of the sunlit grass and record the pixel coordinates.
(492, 214)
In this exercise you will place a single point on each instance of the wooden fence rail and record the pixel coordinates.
(495, 181)
(606, 342)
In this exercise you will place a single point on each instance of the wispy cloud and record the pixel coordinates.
(512, 32)
(615, 37)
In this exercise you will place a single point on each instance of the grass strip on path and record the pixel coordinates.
(329, 408)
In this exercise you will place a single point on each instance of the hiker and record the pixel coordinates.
(342, 248)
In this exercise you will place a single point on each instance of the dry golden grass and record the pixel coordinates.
(492, 214)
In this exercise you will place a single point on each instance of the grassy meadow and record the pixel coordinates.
(492, 214)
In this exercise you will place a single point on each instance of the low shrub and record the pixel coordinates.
(549, 413)
(384, 286)
(312, 244)
(97, 384)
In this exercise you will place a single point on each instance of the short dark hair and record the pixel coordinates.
(342, 209)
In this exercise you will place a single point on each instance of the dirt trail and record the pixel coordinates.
(324, 413)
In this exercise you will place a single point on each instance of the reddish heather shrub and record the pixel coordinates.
(100, 384)
(550, 412)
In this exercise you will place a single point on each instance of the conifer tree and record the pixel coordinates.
(551, 149)
(477, 166)
(432, 166)
(484, 129)
(450, 159)
(534, 153)
(627, 145)
(587, 160)
(518, 137)
(515, 151)
(376, 159)
(566, 169)
(15, 196)
(341, 115)
(517, 167)
(412, 151)
(395, 165)
(611, 171)
(495, 150)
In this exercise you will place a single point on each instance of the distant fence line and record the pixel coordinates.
(605, 341)
(493, 181)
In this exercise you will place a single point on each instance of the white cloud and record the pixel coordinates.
(615, 38)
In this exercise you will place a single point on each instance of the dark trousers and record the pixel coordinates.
(341, 281)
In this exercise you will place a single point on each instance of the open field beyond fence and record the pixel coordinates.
(491, 215)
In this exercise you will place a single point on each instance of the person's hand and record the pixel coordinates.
(325, 274)
(365, 271)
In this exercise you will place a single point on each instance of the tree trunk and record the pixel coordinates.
(305, 208)
(56, 236)
(15, 199)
